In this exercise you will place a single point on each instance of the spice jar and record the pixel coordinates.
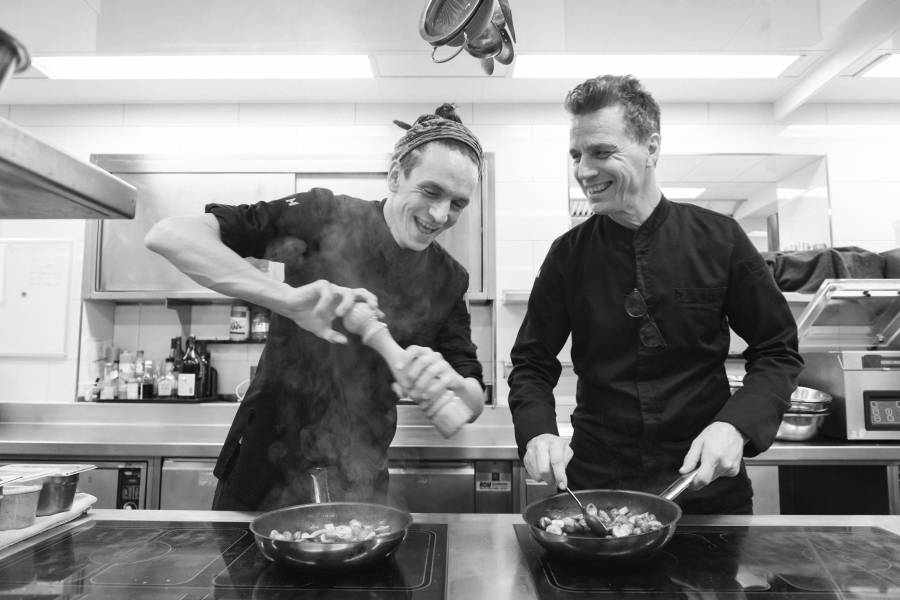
(239, 326)
(259, 324)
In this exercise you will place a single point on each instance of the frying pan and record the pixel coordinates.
(588, 547)
(307, 517)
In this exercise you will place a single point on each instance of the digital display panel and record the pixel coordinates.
(882, 410)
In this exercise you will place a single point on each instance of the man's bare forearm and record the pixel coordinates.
(194, 246)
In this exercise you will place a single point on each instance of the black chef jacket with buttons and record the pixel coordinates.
(638, 408)
(313, 403)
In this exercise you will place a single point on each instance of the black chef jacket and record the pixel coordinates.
(313, 403)
(638, 408)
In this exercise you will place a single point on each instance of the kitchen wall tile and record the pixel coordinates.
(254, 351)
(863, 114)
(229, 352)
(515, 278)
(297, 114)
(534, 225)
(82, 115)
(808, 114)
(540, 249)
(515, 254)
(510, 145)
(740, 113)
(210, 321)
(61, 380)
(529, 196)
(239, 140)
(46, 229)
(384, 114)
(25, 380)
(158, 325)
(230, 373)
(85, 141)
(516, 114)
(347, 140)
(878, 163)
(854, 203)
(192, 115)
(550, 153)
(127, 330)
(685, 112)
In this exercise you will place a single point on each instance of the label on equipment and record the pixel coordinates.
(486, 485)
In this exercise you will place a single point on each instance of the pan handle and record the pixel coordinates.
(679, 485)
(319, 477)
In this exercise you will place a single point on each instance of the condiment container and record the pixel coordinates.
(18, 506)
(57, 494)
(239, 325)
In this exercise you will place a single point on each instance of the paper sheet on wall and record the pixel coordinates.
(34, 280)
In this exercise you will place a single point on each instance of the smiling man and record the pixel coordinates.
(313, 402)
(648, 289)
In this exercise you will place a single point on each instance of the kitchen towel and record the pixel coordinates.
(80, 505)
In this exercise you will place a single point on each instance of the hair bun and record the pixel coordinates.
(447, 111)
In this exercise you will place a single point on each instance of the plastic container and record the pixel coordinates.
(18, 506)
(57, 494)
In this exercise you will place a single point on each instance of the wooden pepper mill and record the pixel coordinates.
(448, 413)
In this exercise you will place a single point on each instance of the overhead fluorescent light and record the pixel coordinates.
(682, 193)
(887, 66)
(206, 67)
(652, 66)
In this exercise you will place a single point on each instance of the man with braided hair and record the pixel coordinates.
(321, 398)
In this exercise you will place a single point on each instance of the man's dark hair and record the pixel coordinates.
(641, 110)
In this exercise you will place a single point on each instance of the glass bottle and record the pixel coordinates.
(109, 384)
(259, 324)
(165, 384)
(190, 370)
(128, 383)
(203, 370)
(147, 380)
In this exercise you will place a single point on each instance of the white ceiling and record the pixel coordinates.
(836, 38)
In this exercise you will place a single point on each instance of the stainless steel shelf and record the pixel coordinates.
(41, 182)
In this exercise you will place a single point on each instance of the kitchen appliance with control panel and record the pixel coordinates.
(865, 387)
(850, 341)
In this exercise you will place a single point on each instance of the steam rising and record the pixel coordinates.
(338, 410)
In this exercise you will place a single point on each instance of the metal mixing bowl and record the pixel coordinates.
(799, 427)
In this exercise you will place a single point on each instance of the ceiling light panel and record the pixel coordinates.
(888, 66)
(206, 67)
(653, 66)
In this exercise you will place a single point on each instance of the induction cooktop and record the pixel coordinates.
(144, 560)
(722, 562)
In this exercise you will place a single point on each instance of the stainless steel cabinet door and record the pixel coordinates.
(187, 484)
(435, 487)
(125, 265)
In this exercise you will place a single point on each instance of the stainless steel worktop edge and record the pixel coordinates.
(197, 431)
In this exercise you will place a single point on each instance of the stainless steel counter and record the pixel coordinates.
(197, 431)
(484, 558)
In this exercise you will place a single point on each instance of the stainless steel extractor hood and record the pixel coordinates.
(38, 181)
